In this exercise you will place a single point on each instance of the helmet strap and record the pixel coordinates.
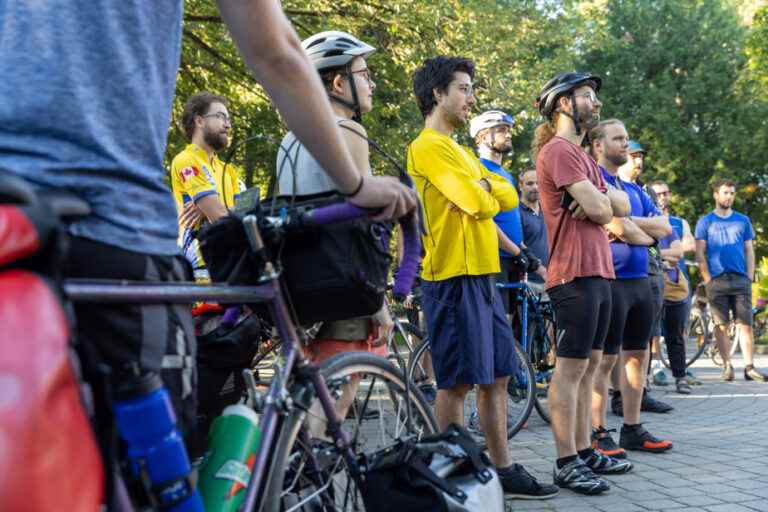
(575, 116)
(353, 105)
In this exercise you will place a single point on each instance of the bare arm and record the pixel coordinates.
(749, 252)
(212, 207)
(272, 50)
(594, 203)
(689, 243)
(657, 227)
(674, 253)
(619, 202)
(506, 244)
(627, 231)
(701, 259)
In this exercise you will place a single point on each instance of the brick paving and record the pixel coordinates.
(719, 462)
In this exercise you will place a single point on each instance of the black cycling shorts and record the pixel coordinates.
(582, 313)
(631, 317)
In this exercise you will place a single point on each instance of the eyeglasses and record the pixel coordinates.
(366, 74)
(589, 95)
(221, 116)
(468, 90)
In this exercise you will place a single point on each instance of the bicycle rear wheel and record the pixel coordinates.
(541, 353)
(309, 474)
(697, 338)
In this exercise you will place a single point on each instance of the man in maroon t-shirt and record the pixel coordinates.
(576, 204)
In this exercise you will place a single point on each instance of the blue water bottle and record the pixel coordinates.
(156, 452)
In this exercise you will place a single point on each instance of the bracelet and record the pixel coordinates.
(357, 190)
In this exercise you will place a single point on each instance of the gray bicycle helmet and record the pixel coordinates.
(334, 49)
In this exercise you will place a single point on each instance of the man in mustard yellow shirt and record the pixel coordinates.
(471, 339)
(202, 187)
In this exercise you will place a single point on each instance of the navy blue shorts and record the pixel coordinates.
(470, 337)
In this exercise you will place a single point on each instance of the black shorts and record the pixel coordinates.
(582, 313)
(657, 294)
(150, 337)
(631, 315)
(730, 293)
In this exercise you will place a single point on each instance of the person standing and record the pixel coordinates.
(576, 203)
(534, 228)
(471, 339)
(726, 258)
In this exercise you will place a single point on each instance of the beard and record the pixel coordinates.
(617, 159)
(724, 205)
(503, 149)
(588, 120)
(532, 196)
(216, 140)
(455, 120)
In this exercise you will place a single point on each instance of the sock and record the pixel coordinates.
(585, 453)
(630, 427)
(566, 460)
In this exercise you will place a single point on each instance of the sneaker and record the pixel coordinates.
(660, 378)
(727, 373)
(641, 440)
(577, 477)
(691, 378)
(603, 442)
(649, 404)
(617, 406)
(601, 464)
(752, 373)
(682, 386)
(429, 392)
(518, 483)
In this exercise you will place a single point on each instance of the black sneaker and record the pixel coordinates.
(577, 477)
(429, 392)
(604, 465)
(518, 483)
(640, 439)
(649, 404)
(603, 442)
(752, 373)
(682, 386)
(617, 406)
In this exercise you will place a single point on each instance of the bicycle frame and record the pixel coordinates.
(276, 399)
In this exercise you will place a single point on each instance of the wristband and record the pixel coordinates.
(357, 190)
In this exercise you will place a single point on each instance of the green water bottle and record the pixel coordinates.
(227, 467)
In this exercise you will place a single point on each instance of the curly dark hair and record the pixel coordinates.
(198, 105)
(437, 73)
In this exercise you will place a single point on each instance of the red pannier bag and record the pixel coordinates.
(49, 459)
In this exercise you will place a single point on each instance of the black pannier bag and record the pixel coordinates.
(445, 472)
(330, 272)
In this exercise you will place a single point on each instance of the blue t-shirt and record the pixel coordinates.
(88, 88)
(725, 239)
(677, 227)
(509, 220)
(631, 261)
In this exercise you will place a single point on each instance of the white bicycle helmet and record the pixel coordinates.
(334, 49)
(489, 119)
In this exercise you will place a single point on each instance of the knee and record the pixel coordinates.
(457, 392)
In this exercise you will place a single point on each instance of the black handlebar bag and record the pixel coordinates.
(446, 472)
(330, 272)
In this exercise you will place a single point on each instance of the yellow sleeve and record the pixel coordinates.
(439, 164)
(192, 180)
(502, 190)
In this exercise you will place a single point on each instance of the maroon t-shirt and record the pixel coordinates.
(577, 248)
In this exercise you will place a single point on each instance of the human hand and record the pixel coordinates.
(542, 271)
(190, 215)
(385, 193)
(577, 212)
(382, 327)
(484, 184)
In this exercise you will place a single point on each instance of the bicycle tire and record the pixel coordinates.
(539, 348)
(289, 449)
(698, 326)
(517, 391)
(416, 337)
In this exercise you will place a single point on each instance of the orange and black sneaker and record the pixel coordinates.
(604, 443)
(635, 437)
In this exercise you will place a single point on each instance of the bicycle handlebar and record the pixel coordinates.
(343, 212)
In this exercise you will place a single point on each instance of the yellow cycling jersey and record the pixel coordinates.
(194, 176)
(461, 236)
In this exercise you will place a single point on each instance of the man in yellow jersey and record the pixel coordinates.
(202, 187)
(471, 339)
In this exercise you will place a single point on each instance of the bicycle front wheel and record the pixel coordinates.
(307, 471)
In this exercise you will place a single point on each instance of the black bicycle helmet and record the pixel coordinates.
(565, 83)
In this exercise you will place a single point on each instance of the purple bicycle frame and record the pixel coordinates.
(124, 292)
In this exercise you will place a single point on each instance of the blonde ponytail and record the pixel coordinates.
(544, 133)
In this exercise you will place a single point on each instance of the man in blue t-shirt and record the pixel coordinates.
(632, 308)
(534, 228)
(726, 259)
(491, 131)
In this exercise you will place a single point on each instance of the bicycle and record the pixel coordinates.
(520, 390)
(291, 468)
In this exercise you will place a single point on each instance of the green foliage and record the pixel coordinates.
(689, 78)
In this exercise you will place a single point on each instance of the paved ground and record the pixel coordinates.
(719, 462)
